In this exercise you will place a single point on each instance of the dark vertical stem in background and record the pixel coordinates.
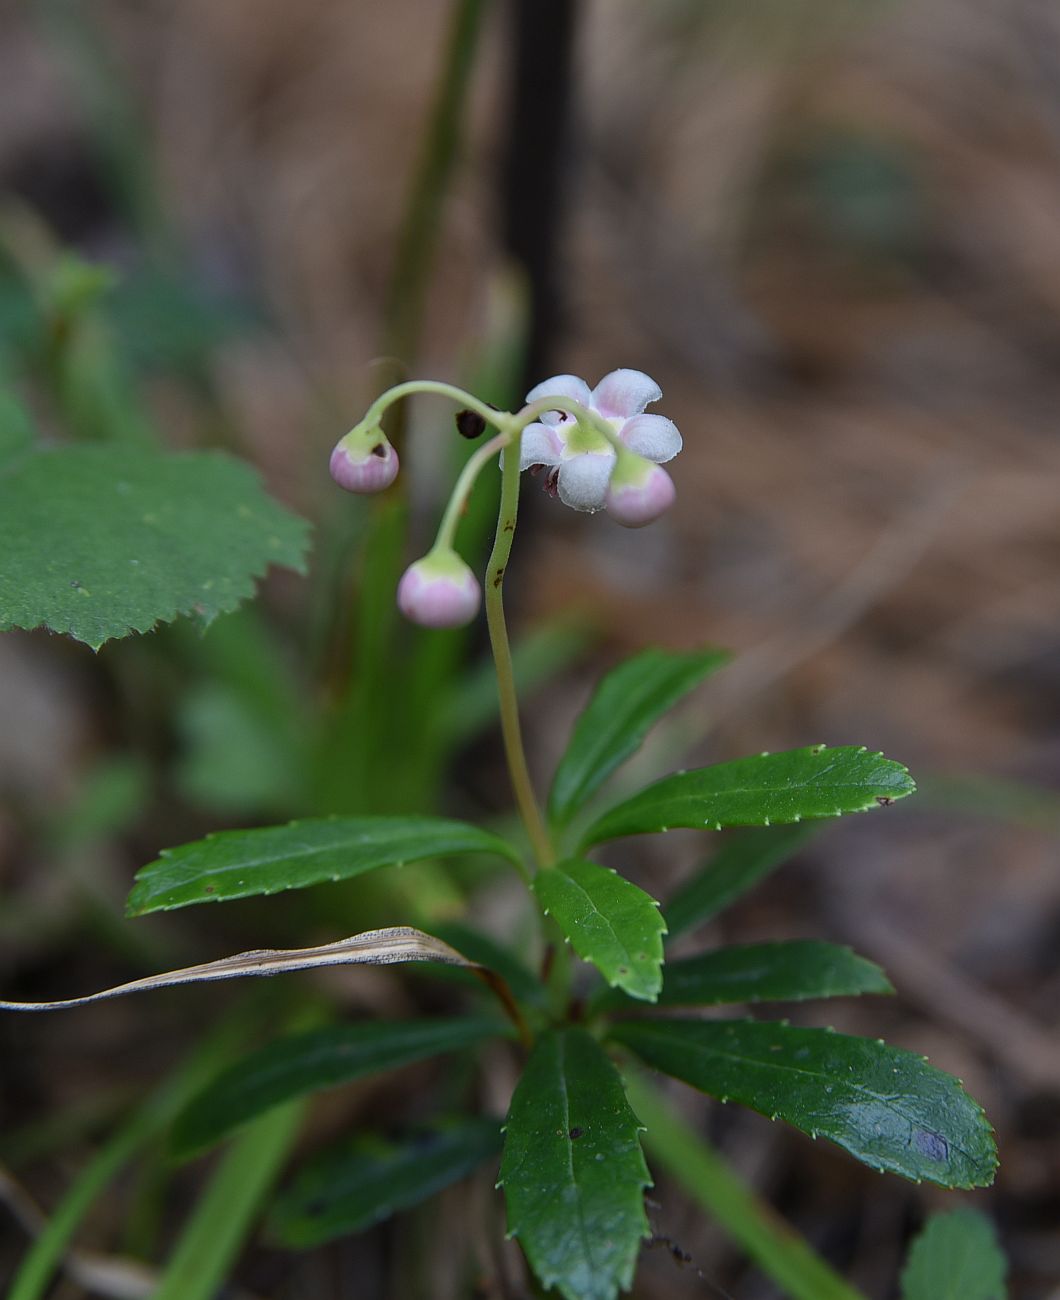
(536, 158)
(403, 311)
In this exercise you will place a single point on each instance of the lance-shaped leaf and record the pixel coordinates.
(320, 1058)
(237, 864)
(764, 789)
(744, 858)
(608, 921)
(370, 1177)
(102, 541)
(765, 972)
(573, 1173)
(887, 1107)
(956, 1257)
(770, 972)
(624, 707)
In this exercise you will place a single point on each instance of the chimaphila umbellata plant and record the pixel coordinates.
(571, 1165)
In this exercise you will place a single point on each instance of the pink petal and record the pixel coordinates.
(634, 505)
(540, 446)
(370, 472)
(438, 600)
(560, 386)
(652, 436)
(583, 480)
(624, 393)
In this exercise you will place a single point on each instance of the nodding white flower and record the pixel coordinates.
(364, 461)
(580, 460)
(439, 591)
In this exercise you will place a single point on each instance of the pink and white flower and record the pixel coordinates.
(439, 591)
(364, 461)
(580, 460)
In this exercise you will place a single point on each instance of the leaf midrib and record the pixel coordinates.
(561, 1053)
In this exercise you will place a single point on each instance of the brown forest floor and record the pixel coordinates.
(836, 243)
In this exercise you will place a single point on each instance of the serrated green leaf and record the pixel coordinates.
(99, 542)
(764, 789)
(767, 972)
(955, 1257)
(573, 1173)
(887, 1107)
(369, 1178)
(608, 921)
(623, 709)
(743, 859)
(317, 1059)
(238, 864)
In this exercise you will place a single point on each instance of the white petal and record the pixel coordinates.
(652, 436)
(624, 393)
(540, 446)
(583, 480)
(560, 386)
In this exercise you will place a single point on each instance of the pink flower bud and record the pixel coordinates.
(364, 461)
(638, 495)
(439, 591)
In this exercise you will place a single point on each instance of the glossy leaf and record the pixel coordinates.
(573, 1173)
(370, 1178)
(956, 1257)
(238, 864)
(102, 541)
(321, 1058)
(770, 972)
(744, 858)
(625, 706)
(764, 789)
(887, 1107)
(608, 921)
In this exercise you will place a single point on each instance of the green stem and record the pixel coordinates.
(774, 1246)
(437, 389)
(502, 654)
(472, 466)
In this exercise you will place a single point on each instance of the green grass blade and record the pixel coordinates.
(45, 1256)
(221, 1221)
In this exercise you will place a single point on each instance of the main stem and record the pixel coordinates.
(522, 787)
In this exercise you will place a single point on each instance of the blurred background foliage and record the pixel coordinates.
(829, 230)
